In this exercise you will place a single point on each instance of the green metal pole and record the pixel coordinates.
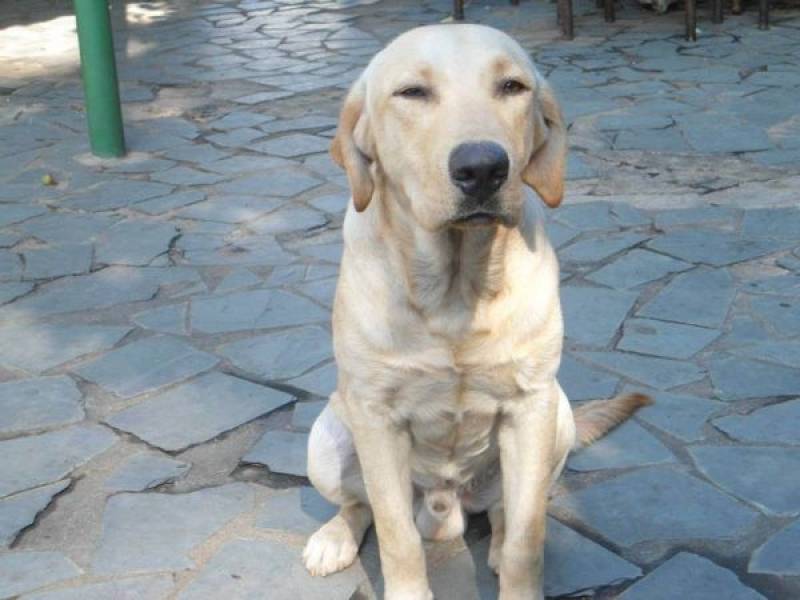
(99, 73)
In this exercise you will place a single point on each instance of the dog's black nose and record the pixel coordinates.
(478, 168)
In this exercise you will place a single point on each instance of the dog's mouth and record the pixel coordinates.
(480, 219)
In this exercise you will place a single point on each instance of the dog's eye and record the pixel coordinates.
(413, 91)
(512, 87)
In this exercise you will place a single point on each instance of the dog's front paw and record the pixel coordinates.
(331, 549)
(408, 593)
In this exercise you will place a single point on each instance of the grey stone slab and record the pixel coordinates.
(10, 266)
(241, 118)
(688, 575)
(702, 297)
(133, 242)
(331, 252)
(679, 415)
(16, 213)
(164, 319)
(635, 268)
(289, 218)
(334, 204)
(713, 247)
(582, 382)
(31, 461)
(657, 503)
(299, 510)
(145, 470)
(574, 564)
(600, 215)
(158, 206)
(578, 168)
(775, 158)
(781, 352)
(599, 248)
(35, 404)
(60, 228)
(12, 291)
(231, 209)
(321, 290)
(20, 510)
(46, 263)
(780, 312)
(243, 569)
(22, 572)
(739, 378)
(257, 251)
(201, 154)
(321, 381)
(236, 280)
(712, 134)
(253, 310)
(280, 355)
(559, 234)
(755, 474)
(10, 239)
(279, 182)
(660, 338)
(143, 163)
(156, 587)
(778, 555)
(187, 176)
(592, 316)
(198, 411)
(305, 122)
(242, 164)
(281, 451)
(305, 413)
(118, 193)
(146, 365)
(743, 330)
(701, 215)
(261, 97)
(236, 138)
(771, 223)
(38, 347)
(633, 120)
(145, 533)
(775, 424)
(782, 284)
(629, 445)
(655, 372)
(651, 140)
(295, 144)
(100, 289)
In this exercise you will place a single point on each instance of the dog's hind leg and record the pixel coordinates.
(334, 470)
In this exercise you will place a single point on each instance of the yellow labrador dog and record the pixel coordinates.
(447, 324)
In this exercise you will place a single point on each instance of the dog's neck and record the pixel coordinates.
(465, 265)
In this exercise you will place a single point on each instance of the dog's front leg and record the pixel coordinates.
(526, 438)
(384, 450)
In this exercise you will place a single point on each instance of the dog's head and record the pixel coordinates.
(455, 119)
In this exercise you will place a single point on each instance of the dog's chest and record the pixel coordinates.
(452, 417)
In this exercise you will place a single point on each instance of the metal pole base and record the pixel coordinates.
(99, 74)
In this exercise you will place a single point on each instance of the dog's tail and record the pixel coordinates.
(596, 418)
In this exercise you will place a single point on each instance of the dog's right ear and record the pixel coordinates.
(351, 148)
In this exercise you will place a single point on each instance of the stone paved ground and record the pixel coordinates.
(164, 340)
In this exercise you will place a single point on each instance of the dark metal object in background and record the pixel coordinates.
(99, 74)
(691, 20)
(458, 10)
(565, 19)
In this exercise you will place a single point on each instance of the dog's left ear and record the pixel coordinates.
(351, 148)
(545, 169)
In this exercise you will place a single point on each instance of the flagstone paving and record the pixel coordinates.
(165, 317)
